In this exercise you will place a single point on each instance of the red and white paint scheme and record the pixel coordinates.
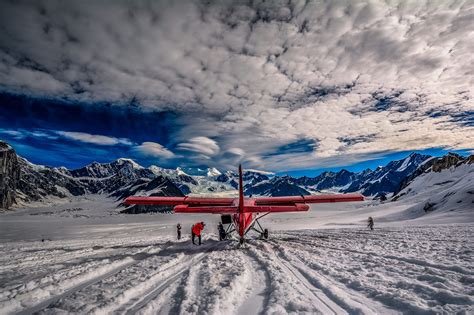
(244, 212)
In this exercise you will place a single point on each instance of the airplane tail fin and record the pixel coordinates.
(241, 190)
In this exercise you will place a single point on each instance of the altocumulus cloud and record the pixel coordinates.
(93, 139)
(153, 150)
(250, 77)
(203, 146)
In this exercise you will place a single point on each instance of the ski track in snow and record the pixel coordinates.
(423, 270)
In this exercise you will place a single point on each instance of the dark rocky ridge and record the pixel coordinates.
(9, 175)
(381, 181)
(37, 182)
(276, 187)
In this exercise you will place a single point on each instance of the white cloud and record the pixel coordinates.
(13, 133)
(94, 139)
(235, 152)
(262, 76)
(154, 150)
(22, 133)
(200, 145)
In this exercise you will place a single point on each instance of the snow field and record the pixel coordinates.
(392, 270)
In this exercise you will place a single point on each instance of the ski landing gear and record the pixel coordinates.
(230, 229)
(258, 228)
(226, 227)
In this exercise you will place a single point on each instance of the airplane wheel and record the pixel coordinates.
(265, 233)
(241, 241)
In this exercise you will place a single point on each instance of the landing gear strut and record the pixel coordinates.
(258, 228)
(228, 231)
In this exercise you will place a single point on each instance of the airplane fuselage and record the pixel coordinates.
(243, 219)
(242, 222)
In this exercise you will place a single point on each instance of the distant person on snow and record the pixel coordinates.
(371, 223)
(196, 231)
(222, 233)
(178, 230)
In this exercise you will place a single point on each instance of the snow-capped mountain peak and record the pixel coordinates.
(212, 171)
(156, 169)
(180, 171)
(122, 161)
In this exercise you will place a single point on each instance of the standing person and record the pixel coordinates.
(178, 230)
(196, 231)
(371, 223)
(222, 233)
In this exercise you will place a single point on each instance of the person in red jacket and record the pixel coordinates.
(196, 231)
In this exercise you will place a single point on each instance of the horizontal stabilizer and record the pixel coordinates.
(290, 208)
(206, 209)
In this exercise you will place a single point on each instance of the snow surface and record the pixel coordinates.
(451, 190)
(94, 260)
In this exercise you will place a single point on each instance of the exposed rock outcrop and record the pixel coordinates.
(447, 161)
(37, 182)
(9, 175)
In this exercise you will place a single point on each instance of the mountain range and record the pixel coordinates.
(22, 182)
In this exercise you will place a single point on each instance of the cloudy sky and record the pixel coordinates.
(279, 86)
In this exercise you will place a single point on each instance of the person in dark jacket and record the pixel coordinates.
(178, 230)
(222, 234)
(370, 223)
(196, 231)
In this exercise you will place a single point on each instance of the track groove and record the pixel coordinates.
(44, 304)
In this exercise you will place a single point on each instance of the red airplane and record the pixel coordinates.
(242, 213)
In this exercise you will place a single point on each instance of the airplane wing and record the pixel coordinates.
(289, 200)
(188, 204)
(298, 203)
(174, 201)
(230, 205)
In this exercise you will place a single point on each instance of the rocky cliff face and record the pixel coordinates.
(386, 179)
(9, 175)
(447, 161)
